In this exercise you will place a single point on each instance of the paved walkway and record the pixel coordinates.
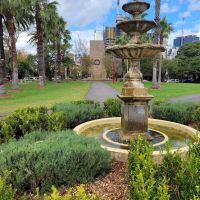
(190, 98)
(101, 91)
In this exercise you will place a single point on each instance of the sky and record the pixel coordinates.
(85, 16)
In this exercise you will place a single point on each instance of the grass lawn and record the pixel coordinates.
(168, 90)
(54, 93)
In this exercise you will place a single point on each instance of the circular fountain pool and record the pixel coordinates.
(107, 131)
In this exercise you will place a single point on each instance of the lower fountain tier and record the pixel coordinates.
(135, 51)
(136, 26)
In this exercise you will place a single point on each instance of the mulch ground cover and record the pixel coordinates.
(113, 185)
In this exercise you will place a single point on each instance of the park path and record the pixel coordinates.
(101, 91)
(190, 98)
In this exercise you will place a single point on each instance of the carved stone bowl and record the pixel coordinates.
(140, 26)
(136, 7)
(135, 51)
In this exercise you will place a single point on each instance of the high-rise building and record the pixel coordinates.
(179, 41)
(112, 33)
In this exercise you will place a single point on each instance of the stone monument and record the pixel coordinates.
(97, 56)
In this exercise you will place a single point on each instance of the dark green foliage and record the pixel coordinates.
(29, 119)
(86, 102)
(142, 181)
(43, 159)
(183, 175)
(76, 114)
(196, 117)
(175, 178)
(188, 57)
(175, 112)
(112, 107)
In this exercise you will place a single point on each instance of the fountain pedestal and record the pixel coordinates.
(135, 101)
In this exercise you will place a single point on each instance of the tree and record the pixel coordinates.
(188, 60)
(16, 16)
(165, 29)
(40, 42)
(156, 41)
(2, 57)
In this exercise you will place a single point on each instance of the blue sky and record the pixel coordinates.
(84, 16)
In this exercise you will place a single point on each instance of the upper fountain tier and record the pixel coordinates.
(136, 8)
(136, 25)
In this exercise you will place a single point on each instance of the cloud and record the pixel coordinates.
(194, 5)
(24, 44)
(81, 13)
(185, 14)
(166, 8)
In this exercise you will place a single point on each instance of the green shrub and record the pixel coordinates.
(112, 107)
(175, 112)
(86, 102)
(43, 159)
(80, 194)
(29, 119)
(6, 190)
(76, 114)
(183, 175)
(142, 171)
(196, 117)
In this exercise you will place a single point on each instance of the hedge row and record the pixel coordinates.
(60, 117)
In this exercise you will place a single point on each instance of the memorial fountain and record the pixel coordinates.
(114, 135)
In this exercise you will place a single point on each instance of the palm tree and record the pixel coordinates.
(2, 57)
(165, 29)
(40, 42)
(156, 41)
(16, 17)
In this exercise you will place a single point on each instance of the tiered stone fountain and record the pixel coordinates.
(134, 95)
(115, 135)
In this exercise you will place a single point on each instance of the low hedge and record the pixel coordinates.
(43, 159)
(174, 179)
(112, 107)
(25, 120)
(196, 117)
(176, 112)
(77, 113)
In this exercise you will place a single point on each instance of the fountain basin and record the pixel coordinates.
(178, 134)
(136, 51)
(139, 26)
(135, 7)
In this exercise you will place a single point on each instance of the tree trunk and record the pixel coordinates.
(2, 58)
(58, 63)
(12, 44)
(154, 79)
(156, 41)
(40, 45)
(160, 70)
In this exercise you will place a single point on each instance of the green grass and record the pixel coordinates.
(167, 90)
(54, 93)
